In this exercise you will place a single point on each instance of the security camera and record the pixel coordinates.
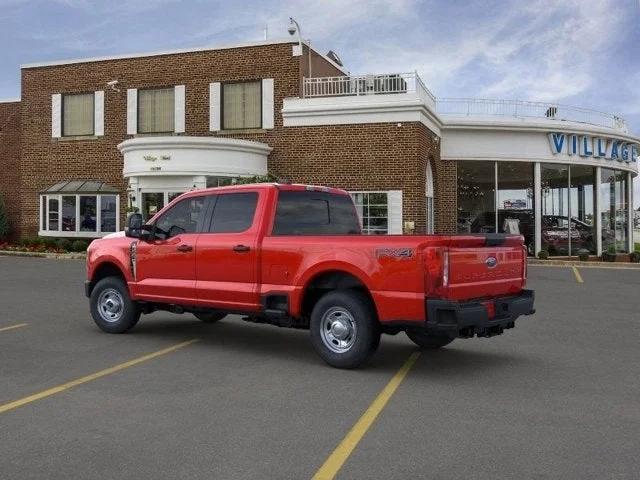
(291, 30)
(112, 84)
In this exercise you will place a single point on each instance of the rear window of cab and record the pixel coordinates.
(315, 213)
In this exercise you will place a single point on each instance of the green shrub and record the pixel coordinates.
(79, 245)
(64, 244)
(4, 221)
(635, 256)
(543, 254)
(583, 254)
(48, 242)
(27, 242)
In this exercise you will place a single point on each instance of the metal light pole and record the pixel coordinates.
(294, 28)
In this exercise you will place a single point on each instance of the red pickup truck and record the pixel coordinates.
(295, 256)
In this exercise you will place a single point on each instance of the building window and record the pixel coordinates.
(241, 105)
(614, 210)
(373, 210)
(78, 215)
(78, 114)
(476, 197)
(156, 110)
(429, 197)
(516, 201)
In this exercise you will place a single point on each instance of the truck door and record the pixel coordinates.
(166, 264)
(226, 253)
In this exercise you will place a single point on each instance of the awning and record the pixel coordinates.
(81, 186)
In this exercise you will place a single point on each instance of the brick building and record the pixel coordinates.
(91, 138)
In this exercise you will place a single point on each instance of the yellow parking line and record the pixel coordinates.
(19, 325)
(94, 376)
(332, 465)
(577, 275)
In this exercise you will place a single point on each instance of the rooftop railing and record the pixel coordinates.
(522, 109)
(399, 83)
(357, 85)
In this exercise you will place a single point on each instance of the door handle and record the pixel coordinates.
(184, 248)
(241, 248)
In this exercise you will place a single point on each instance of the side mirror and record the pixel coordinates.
(134, 225)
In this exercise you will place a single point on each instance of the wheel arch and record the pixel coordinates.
(324, 281)
(106, 269)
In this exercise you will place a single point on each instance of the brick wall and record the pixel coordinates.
(381, 156)
(46, 161)
(444, 180)
(10, 160)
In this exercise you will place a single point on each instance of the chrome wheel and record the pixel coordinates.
(338, 330)
(110, 305)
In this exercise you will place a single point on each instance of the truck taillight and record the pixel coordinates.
(436, 268)
(524, 262)
(445, 269)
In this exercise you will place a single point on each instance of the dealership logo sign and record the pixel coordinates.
(597, 147)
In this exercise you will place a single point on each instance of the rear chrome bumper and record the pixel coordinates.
(468, 319)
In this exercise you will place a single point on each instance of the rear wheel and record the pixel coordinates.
(111, 306)
(428, 340)
(344, 328)
(211, 317)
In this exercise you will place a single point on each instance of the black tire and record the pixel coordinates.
(122, 314)
(428, 340)
(210, 317)
(345, 307)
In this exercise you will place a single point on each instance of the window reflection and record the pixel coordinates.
(515, 201)
(476, 197)
(614, 210)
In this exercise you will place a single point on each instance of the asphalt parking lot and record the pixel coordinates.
(556, 397)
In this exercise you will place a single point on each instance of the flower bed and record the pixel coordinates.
(45, 245)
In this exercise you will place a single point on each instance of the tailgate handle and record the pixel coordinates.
(494, 239)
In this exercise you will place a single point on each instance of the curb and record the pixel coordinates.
(56, 256)
(576, 263)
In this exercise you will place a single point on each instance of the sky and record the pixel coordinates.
(577, 52)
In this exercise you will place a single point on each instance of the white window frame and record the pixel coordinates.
(44, 213)
(386, 193)
(57, 108)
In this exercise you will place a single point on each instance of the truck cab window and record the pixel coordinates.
(234, 212)
(184, 217)
(315, 213)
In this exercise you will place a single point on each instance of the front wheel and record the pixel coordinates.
(344, 329)
(111, 306)
(428, 340)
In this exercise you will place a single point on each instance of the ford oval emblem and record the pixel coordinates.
(491, 262)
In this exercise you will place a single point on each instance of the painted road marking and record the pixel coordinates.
(12, 327)
(94, 376)
(332, 465)
(577, 275)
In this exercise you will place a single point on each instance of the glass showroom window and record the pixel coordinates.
(476, 197)
(582, 208)
(614, 210)
(373, 210)
(241, 105)
(568, 206)
(555, 208)
(78, 215)
(515, 201)
(78, 115)
(156, 110)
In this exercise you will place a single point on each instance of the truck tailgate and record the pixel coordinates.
(485, 266)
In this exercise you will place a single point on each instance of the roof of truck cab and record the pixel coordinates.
(260, 186)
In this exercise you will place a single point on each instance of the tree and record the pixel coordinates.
(4, 221)
(268, 178)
